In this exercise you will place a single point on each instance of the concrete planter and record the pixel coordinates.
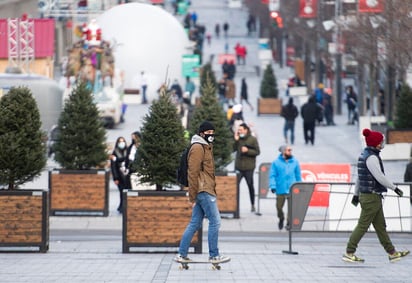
(156, 219)
(79, 192)
(24, 220)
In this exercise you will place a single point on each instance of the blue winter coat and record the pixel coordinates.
(283, 174)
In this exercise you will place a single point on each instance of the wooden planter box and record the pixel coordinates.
(24, 220)
(269, 106)
(79, 192)
(157, 219)
(228, 195)
(399, 136)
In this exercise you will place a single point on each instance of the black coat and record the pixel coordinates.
(310, 111)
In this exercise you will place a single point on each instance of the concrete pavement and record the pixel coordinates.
(89, 249)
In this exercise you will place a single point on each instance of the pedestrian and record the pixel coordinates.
(289, 112)
(284, 171)
(194, 18)
(118, 168)
(370, 186)
(143, 87)
(176, 89)
(351, 101)
(230, 93)
(231, 70)
(237, 118)
(217, 30)
(328, 107)
(244, 94)
(407, 177)
(247, 148)
(310, 112)
(226, 28)
(221, 90)
(238, 52)
(189, 87)
(131, 177)
(202, 194)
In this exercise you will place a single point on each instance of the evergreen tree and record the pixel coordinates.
(162, 144)
(403, 108)
(207, 72)
(210, 110)
(269, 86)
(22, 151)
(81, 142)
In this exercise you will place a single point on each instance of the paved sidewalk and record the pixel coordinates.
(89, 249)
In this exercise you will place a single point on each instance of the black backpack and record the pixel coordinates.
(181, 175)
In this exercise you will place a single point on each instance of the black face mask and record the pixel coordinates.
(209, 138)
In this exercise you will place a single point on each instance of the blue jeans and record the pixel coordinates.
(206, 205)
(289, 126)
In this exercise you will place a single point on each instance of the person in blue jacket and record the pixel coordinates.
(284, 171)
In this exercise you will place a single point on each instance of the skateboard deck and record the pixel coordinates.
(215, 266)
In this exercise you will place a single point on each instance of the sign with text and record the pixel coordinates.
(190, 65)
(319, 172)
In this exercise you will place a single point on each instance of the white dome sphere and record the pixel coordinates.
(147, 39)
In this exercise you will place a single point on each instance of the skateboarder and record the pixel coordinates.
(202, 194)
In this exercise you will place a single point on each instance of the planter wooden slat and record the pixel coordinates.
(399, 136)
(228, 195)
(24, 220)
(269, 106)
(157, 219)
(79, 192)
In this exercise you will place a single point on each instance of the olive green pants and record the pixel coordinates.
(280, 203)
(371, 213)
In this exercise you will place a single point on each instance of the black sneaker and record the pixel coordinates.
(281, 221)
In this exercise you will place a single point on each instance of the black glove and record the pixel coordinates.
(398, 192)
(273, 191)
(355, 200)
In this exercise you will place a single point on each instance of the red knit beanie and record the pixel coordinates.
(372, 138)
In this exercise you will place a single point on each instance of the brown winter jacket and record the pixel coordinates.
(230, 89)
(201, 168)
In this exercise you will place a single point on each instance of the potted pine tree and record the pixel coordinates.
(402, 132)
(81, 185)
(209, 109)
(23, 212)
(268, 102)
(158, 218)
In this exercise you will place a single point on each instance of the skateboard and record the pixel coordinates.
(215, 266)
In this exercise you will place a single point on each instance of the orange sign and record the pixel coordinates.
(335, 173)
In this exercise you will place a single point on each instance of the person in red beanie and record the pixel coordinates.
(370, 185)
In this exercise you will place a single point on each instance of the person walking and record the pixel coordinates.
(351, 101)
(190, 87)
(310, 112)
(226, 29)
(131, 177)
(370, 186)
(247, 148)
(284, 171)
(217, 30)
(118, 168)
(244, 94)
(230, 93)
(143, 86)
(202, 194)
(289, 112)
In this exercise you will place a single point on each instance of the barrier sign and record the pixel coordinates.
(311, 172)
(332, 173)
